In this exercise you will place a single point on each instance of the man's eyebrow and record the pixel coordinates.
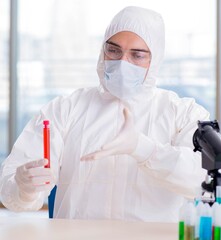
(133, 49)
(112, 43)
(140, 50)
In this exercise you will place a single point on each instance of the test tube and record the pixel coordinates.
(182, 222)
(218, 194)
(190, 220)
(205, 231)
(46, 141)
(199, 211)
(216, 213)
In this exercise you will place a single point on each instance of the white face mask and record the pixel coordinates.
(123, 79)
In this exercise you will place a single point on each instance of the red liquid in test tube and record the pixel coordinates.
(46, 141)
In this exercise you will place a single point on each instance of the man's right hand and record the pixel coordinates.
(32, 178)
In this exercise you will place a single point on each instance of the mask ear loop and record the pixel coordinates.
(148, 68)
(145, 77)
(100, 70)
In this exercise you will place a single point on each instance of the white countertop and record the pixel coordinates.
(63, 229)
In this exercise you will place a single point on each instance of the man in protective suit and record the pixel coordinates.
(122, 150)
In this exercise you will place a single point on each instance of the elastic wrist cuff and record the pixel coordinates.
(144, 149)
(29, 203)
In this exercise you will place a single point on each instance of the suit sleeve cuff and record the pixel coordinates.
(144, 149)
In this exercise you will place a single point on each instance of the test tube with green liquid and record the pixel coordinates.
(182, 222)
(181, 230)
(216, 213)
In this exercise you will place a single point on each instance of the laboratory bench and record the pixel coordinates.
(12, 228)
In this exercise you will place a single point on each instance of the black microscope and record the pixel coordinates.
(207, 140)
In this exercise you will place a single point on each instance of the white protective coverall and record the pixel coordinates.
(148, 185)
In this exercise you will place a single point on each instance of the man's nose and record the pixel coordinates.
(124, 57)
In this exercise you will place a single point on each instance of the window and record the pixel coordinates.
(4, 83)
(189, 66)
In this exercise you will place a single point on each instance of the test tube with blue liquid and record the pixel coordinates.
(205, 228)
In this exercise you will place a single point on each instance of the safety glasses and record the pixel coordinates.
(135, 56)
